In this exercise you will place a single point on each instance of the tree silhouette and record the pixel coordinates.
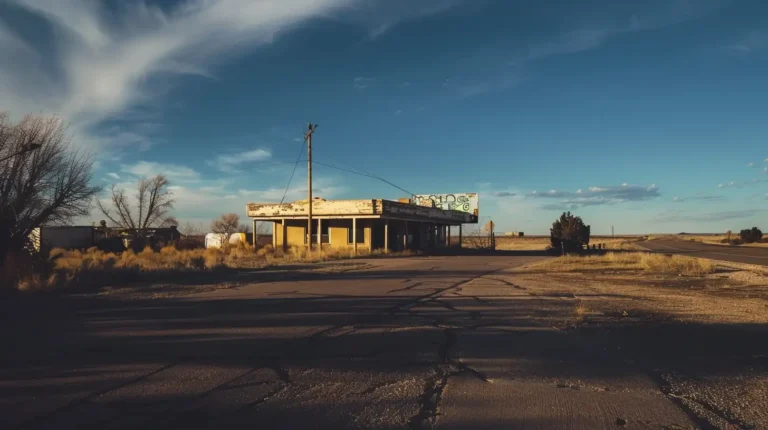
(569, 233)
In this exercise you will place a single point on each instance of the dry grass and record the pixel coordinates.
(93, 268)
(717, 239)
(651, 263)
(540, 243)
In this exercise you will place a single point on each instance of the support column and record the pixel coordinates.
(460, 228)
(285, 236)
(386, 236)
(319, 233)
(405, 237)
(254, 232)
(448, 236)
(354, 234)
(274, 235)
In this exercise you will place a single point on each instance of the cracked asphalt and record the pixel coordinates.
(428, 342)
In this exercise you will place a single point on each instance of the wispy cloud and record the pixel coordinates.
(485, 73)
(108, 60)
(114, 175)
(754, 41)
(706, 217)
(699, 198)
(210, 200)
(175, 173)
(735, 184)
(644, 18)
(503, 194)
(229, 161)
(751, 165)
(595, 196)
(382, 16)
(363, 82)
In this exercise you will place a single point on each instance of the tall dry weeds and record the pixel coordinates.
(651, 263)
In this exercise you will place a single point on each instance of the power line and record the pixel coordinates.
(367, 175)
(375, 176)
(295, 165)
(260, 166)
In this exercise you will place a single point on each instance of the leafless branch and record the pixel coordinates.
(154, 203)
(48, 185)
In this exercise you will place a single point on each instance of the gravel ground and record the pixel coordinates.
(701, 338)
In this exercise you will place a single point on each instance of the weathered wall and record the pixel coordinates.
(337, 231)
(295, 233)
(319, 208)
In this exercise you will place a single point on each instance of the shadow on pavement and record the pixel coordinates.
(84, 344)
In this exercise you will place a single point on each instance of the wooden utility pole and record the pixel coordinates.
(308, 137)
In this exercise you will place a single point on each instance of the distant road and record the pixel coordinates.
(735, 254)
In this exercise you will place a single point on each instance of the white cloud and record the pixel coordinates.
(229, 161)
(113, 175)
(175, 173)
(595, 196)
(211, 200)
(108, 60)
(751, 165)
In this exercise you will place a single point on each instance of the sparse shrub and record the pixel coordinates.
(214, 258)
(569, 233)
(751, 235)
(264, 251)
(677, 264)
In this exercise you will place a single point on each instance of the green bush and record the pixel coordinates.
(569, 233)
(751, 235)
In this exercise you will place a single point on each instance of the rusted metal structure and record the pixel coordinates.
(369, 224)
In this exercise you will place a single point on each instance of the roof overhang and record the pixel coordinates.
(347, 209)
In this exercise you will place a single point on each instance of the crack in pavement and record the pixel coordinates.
(406, 288)
(83, 400)
(504, 281)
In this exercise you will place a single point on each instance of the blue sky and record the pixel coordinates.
(649, 116)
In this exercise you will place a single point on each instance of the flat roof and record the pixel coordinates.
(374, 208)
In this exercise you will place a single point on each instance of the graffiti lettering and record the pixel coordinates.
(458, 202)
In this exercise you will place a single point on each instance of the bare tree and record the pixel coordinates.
(192, 229)
(154, 202)
(226, 224)
(244, 228)
(43, 179)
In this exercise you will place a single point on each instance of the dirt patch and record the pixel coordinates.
(699, 336)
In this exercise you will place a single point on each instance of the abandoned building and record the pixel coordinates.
(360, 224)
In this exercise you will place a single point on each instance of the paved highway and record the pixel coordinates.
(447, 342)
(734, 254)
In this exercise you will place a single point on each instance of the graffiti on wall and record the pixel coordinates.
(463, 202)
